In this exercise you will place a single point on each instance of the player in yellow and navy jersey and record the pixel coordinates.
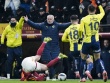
(89, 26)
(71, 35)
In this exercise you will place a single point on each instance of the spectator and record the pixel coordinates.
(1, 8)
(7, 15)
(83, 7)
(50, 28)
(105, 55)
(104, 4)
(14, 41)
(25, 4)
(57, 13)
(20, 12)
(42, 15)
(72, 7)
(14, 4)
(107, 10)
(40, 3)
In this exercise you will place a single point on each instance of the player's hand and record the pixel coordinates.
(98, 2)
(81, 8)
(25, 18)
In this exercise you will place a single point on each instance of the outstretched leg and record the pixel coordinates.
(41, 48)
(53, 62)
(36, 58)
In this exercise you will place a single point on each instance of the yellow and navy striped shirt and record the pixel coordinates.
(71, 35)
(89, 26)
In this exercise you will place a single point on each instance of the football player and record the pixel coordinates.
(90, 27)
(30, 65)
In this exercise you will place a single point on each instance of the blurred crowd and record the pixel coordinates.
(37, 10)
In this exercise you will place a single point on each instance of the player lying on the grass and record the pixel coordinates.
(30, 65)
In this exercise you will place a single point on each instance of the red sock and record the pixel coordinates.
(36, 74)
(26, 75)
(40, 78)
(41, 48)
(53, 62)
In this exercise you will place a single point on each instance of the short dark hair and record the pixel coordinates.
(13, 17)
(91, 8)
(74, 17)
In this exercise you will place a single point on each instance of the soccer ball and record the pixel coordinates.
(62, 77)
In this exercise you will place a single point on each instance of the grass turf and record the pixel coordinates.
(67, 81)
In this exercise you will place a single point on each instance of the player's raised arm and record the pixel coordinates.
(102, 12)
(32, 24)
(21, 22)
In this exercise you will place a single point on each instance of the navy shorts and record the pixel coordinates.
(74, 53)
(95, 46)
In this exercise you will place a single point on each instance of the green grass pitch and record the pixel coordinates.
(67, 81)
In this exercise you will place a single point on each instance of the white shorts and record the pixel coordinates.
(38, 66)
(28, 64)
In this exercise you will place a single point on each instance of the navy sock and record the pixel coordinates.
(82, 68)
(100, 64)
(89, 66)
(76, 65)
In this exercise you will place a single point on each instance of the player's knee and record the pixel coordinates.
(88, 60)
(45, 67)
(96, 56)
(37, 57)
(83, 56)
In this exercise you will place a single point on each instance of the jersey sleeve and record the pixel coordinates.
(65, 37)
(21, 22)
(81, 29)
(102, 12)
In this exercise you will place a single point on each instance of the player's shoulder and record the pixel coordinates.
(97, 15)
(78, 24)
(8, 27)
(67, 29)
(70, 26)
(86, 17)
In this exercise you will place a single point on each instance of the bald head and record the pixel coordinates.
(50, 19)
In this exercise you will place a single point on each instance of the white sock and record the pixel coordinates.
(59, 57)
(8, 76)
